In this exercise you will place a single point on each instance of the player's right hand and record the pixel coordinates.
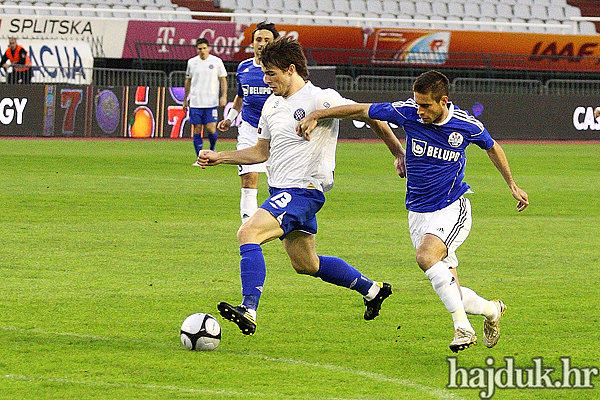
(207, 158)
(224, 125)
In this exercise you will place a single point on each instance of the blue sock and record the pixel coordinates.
(212, 137)
(339, 272)
(253, 273)
(198, 143)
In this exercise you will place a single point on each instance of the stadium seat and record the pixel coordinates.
(556, 12)
(587, 28)
(342, 5)
(536, 29)
(504, 10)
(518, 28)
(455, 25)
(456, 9)
(423, 8)
(472, 10)
(276, 5)
(260, 4)
(539, 11)
(439, 8)
(502, 24)
(521, 11)
(375, 7)
(391, 7)
(22, 11)
(308, 6)
(117, 13)
(488, 10)
(291, 5)
(244, 4)
(553, 30)
(358, 6)
(572, 11)
(421, 25)
(407, 7)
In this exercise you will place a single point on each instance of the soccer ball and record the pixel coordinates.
(200, 331)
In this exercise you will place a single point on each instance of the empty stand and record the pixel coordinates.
(556, 12)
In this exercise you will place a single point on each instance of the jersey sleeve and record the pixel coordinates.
(263, 129)
(386, 112)
(188, 70)
(330, 98)
(483, 139)
(239, 92)
(222, 70)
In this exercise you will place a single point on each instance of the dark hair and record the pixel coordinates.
(202, 40)
(433, 82)
(283, 52)
(267, 26)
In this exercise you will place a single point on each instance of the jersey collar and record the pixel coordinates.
(450, 114)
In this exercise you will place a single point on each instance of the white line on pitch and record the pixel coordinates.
(437, 393)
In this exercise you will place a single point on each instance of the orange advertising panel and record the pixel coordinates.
(474, 49)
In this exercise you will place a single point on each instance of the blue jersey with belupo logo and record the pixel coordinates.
(253, 89)
(435, 153)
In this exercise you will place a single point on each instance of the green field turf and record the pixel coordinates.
(108, 245)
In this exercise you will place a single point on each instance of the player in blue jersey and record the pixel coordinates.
(300, 172)
(252, 92)
(439, 218)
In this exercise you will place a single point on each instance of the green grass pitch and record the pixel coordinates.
(108, 245)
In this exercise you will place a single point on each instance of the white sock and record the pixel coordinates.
(445, 287)
(373, 291)
(248, 203)
(477, 305)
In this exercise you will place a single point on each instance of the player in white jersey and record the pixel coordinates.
(205, 90)
(252, 92)
(437, 134)
(300, 170)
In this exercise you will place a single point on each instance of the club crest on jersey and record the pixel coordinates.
(418, 147)
(211, 66)
(455, 139)
(299, 114)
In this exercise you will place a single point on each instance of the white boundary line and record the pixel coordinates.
(434, 392)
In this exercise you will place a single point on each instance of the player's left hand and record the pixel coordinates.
(400, 164)
(522, 197)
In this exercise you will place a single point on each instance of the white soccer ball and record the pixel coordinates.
(201, 332)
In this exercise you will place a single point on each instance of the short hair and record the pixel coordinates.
(267, 26)
(202, 41)
(283, 52)
(432, 82)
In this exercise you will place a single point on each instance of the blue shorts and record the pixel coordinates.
(203, 116)
(295, 209)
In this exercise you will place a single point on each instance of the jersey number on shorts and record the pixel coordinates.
(281, 200)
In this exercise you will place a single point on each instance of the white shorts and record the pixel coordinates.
(451, 224)
(247, 137)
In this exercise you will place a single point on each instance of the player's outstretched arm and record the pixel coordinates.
(251, 155)
(385, 133)
(224, 125)
(353, 111)
(498, 158)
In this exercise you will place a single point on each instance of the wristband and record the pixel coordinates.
(232, 114)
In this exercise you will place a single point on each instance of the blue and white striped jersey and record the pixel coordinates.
(435, 153)
(253, 89)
